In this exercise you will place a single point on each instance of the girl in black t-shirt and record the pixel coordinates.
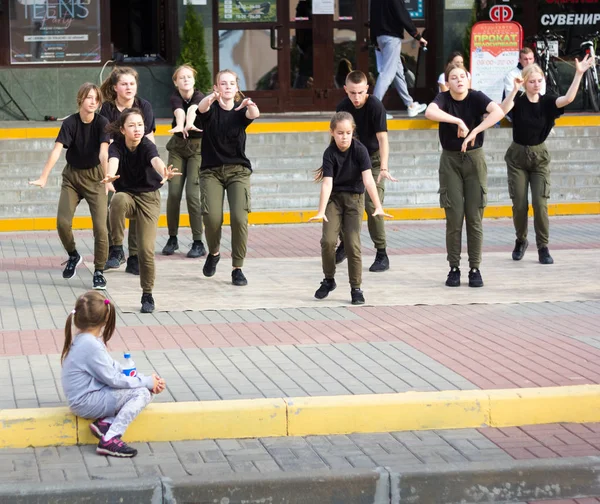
(84, 136)
(119, 91)
(224, 116)
(137, 173)
(527, 158)
(184, 154)
(463, 172)
(345, 174)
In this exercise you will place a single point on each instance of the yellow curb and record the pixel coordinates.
(306, 416)
(302, 216)
(265, 126)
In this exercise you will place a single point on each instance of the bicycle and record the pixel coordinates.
(544, 44)
(591, 84)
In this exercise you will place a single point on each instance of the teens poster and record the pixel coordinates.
(54, 31)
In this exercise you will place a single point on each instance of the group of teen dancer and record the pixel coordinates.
(120, 156)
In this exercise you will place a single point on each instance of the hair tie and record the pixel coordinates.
(106, 301)
(73, 311)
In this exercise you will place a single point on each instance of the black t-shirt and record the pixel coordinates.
(532, 122)
(224, 138)
(112, 113)
(137, 175)
(82, 141)
(470, 110)
(178, 102)
(370, 120)
(346, 167)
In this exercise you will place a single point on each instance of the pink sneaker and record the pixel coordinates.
(99, 428)
(115, 448)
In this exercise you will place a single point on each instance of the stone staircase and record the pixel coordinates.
(284, 165)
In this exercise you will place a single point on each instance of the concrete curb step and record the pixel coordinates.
(503, 482)
(308, 416)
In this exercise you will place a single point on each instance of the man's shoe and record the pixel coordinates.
(544, 256)
(99, 428)
(99, 282)
(171, 246)
(382, 262)
(357, 296)
(416, 108)
(210, 266)
(115, 448)
(133, 265)
(72, 262)
(147, 303)
(238, 278)
(453, 279)
(197, 250)
(475, 279)
(520, 248)
(340, 253)
(327, 285)
(116, 257)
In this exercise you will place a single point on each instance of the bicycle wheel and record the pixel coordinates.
(591, 88)
(552, 81)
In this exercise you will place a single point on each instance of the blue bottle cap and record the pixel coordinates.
(127, 355)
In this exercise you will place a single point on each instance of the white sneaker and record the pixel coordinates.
(416, 108)
(389, 117)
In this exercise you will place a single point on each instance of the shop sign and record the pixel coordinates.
(494, 52)
(501, 13)
(244, 11)
(54, 31)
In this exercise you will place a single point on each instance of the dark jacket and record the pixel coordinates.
(390, 17)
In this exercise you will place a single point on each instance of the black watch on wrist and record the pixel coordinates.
(418, 36)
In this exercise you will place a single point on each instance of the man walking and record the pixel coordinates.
(389, 19)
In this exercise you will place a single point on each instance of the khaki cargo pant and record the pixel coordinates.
(132, 242)
(376, 225)
(185, 156)
(144, 209)
(529, 166)
(214, 182)
(344, 212)
(78, 185)
(463, 196)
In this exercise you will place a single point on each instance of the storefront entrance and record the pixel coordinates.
(290, 56)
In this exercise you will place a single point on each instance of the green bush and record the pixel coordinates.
(193, 52)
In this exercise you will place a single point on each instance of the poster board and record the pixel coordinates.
(247, 11)
(494, 52)
(54, 31)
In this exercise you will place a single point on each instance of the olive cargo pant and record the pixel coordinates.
(132, 244)
(78, 185)
(144, 209)
(184, 154)
(344, 212)
(463, 196)
(529, 166)
(214, 182)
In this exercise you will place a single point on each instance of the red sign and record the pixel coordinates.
(501, 13)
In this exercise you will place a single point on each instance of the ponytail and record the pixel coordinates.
(68, 336)
(111, 322)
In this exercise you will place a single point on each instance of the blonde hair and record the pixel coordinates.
(239, 95)
(184, 67)
(529, 69)
(92, 310)
(453, 66)
(108, 86)
(84, 91)
(337, 118)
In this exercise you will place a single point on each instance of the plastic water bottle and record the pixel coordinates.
(129, 368)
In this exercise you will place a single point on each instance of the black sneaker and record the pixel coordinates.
(197, 249)
(357, 296)
(382, 262)
(520, 248)
(99, 281)
(115, 448)
(99, 428)
(210, 266)
(171, 246)
(147, 303)
(238, 278)
(72, 262)
(133, 265)
(543, 254)
(116, 257)
(453, 279)
(340, 253)
(327, 285)
(475, 279)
